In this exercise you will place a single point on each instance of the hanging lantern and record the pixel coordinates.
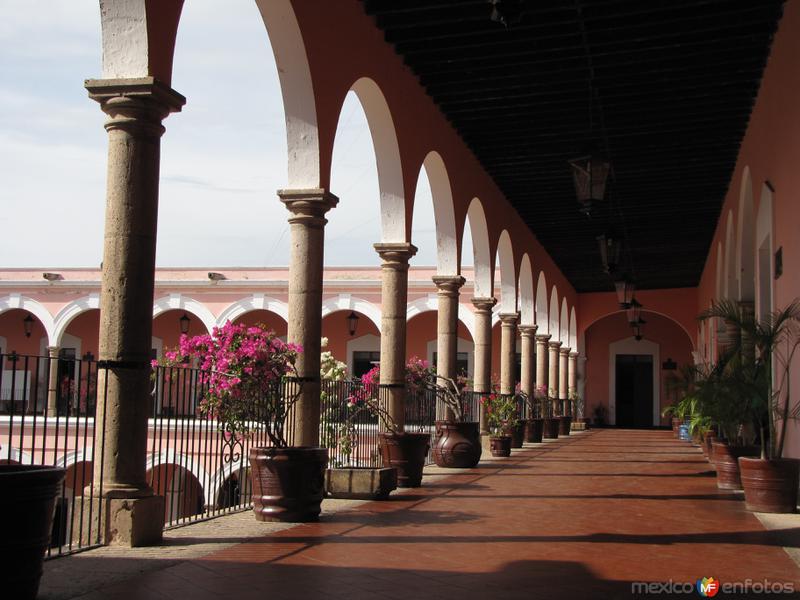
(506, 12)
(625, 288)
(610, 250)
(352, 322)
(590, 174)
(184, 323)
(637, 333)
(634, 312)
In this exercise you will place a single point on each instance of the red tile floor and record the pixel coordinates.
(582, 517)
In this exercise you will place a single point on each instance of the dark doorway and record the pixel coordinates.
(634, 390)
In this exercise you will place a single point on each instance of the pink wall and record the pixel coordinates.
(671, 338)
(167, 327)
(335, 328)
(421, 329)
(86, 326)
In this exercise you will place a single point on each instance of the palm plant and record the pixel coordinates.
(759, 382)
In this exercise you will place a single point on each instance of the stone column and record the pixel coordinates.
(307, 210)
(552, 376)
(528, 334)
(541, 361)
(508, 352)
(394, 298)
(563, 377)
(52, 380)
(135, 109)
(447, 330)
(572, 380)
(482, 380)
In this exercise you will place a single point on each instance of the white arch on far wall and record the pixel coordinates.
(13, 301)
(254, 302)
(72, 310)
(430, 303)
(181, 302)
(348, 302)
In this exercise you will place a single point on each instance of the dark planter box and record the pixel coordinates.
(360, 483)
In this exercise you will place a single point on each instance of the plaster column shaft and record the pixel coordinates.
(394, 299)
(563, 378)
(52, 381)
(508, 352)
(572, 379)
(482, 380)
(528, 334)
(135, 109)
(307, 210)
(541, 361)
(447, 329)
(552, 376)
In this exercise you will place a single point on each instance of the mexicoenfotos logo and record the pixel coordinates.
(707, 587)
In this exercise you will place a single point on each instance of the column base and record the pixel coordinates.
(131, 522)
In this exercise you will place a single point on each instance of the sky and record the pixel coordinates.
(222, 158)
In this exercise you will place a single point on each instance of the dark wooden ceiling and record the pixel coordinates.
(671, 82)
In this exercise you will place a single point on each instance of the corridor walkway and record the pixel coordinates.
(581, 517)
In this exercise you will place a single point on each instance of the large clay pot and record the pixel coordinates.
(500, 445)
(727, 463)
(770, 485)
(551, 427)
(533, 430)
(27, 500)
(517, 433)
(288, 483)
(457, 445)
(564, 425)
(406, 452)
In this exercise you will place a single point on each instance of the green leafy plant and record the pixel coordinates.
(501, 412)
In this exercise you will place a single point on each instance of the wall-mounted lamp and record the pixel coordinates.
(184, 323)
(27, 326)
(352, 322)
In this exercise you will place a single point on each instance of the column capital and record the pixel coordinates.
(308, 206)
(564, 351)
(135, 105)
(509, 318)
(528, 330)
(484, 304)
(543, 338)
(574, 354)
(448, 285)
(395, 255)
(554, 345)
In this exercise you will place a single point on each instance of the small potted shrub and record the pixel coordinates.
(552, 422)
(534, 424)
(245, 373)
(457, 443)
(501, 413)
(766, 349)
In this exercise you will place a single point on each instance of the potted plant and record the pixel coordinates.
(552, 422)
(579, 421)
(457, 442)
(245, 373)
(27, 497)
(767, 348)
(534, 424)
(350, 474)
(501, 414)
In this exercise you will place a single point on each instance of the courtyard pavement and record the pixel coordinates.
(601, 514)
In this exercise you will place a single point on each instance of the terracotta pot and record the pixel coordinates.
(770, 485)
(406, 452)
(551, 427)
(727, 463)
(564, 425)
(457, 445)
(676, 422)
(517, 433)
(533, 430)
(27, 499)
(500, 445)
(708, 437)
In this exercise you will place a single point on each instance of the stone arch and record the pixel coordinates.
(13, 301)
(387, 158)
(508, 276)
(563, 325)
(188, 463)
(745, 251)
(573, 330)
(72, 310)
(541, 305)
(444, 214)
(764, 257)
(555, 323)
(181, 302)
(254, 302)
(692, 340)
(526, 296)
(480, 249)
(348, 302)
(730, 280)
